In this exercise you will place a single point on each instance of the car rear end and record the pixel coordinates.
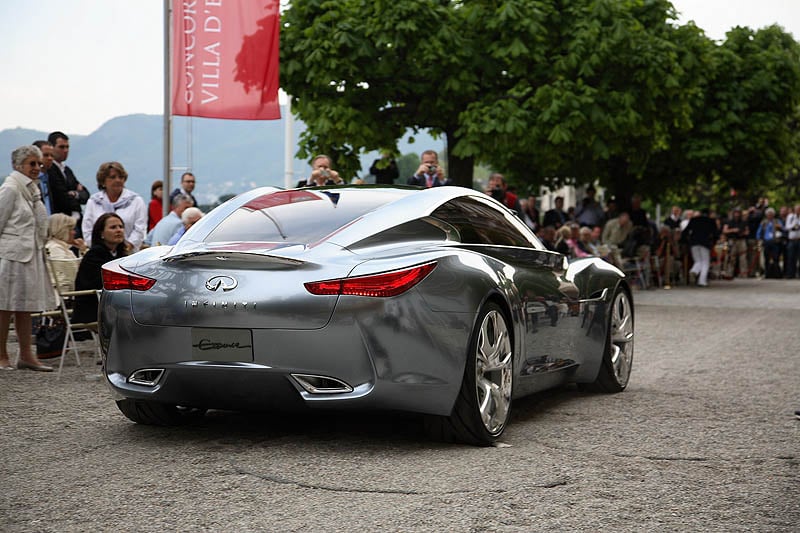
(282, 318)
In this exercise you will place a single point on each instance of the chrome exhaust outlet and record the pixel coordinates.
(321, 384)
(147, 377)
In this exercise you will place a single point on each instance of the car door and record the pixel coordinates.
(545, 301)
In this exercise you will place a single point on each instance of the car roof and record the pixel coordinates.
(373, 209)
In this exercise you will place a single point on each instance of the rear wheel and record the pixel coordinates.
(615, 370)
(483, 405)
(157, 414)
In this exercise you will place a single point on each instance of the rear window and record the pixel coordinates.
(298, 216)
(479, 223)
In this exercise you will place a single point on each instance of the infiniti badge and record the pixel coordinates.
(226, 282)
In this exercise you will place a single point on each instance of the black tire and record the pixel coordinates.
(615, 370)
(483, 406)
(157, 414)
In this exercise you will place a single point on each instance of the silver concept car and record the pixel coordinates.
(437, 301)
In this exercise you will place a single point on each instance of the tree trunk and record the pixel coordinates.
(622, 183)
(458, 169)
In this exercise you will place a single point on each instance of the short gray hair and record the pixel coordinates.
(189, 213)
(178, 198)
(22, 153)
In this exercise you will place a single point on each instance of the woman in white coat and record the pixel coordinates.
(115, 198)
(24, 283)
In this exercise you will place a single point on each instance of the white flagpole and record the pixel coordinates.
(167, 107)
(288, 145)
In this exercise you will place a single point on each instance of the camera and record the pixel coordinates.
(497, 193)
(325, 173)
(431, 168)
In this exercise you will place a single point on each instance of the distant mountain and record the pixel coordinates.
(228, 156)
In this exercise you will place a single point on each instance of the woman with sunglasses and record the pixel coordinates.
(24, 283)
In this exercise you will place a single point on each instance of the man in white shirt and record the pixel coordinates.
(792, 225)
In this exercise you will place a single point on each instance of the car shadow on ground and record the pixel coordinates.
(278, 427)
(345, 427)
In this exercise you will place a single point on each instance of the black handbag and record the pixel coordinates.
(50, 338)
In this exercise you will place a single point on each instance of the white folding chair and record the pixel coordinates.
(63, 275)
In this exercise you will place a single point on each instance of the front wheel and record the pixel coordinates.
(615, 370)
(483, 406)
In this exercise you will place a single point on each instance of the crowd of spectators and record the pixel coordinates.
(689, 245)
(46, 211)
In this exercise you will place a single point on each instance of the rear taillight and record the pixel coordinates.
(116, 278)
(381, 285)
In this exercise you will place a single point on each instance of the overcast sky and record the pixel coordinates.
(71, 65)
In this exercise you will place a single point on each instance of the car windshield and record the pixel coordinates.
(299, 216)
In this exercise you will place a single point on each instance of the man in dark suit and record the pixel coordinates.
(321, 173)
(429, 173)
(67, 194)
(556, 217)
(187, 186)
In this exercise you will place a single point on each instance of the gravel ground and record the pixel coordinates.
(703, 439)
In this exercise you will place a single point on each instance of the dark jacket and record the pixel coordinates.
(90, 277)
(555, 218)
(421, 181)
(701, 231)
(60, 186)
(671, 223)
(308, 183)
(385, 175)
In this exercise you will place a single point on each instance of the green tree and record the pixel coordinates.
(362, 72)
(546, 91)
(744, 132)
(617, 78)
(407, 164)
(751, 108)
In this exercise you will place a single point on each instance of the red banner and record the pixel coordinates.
(225, 59)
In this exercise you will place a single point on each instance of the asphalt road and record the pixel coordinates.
(703, 439)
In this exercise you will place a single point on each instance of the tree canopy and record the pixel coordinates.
(545, 90)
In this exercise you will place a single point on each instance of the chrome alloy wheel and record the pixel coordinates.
(493, 372)
(622, 337)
